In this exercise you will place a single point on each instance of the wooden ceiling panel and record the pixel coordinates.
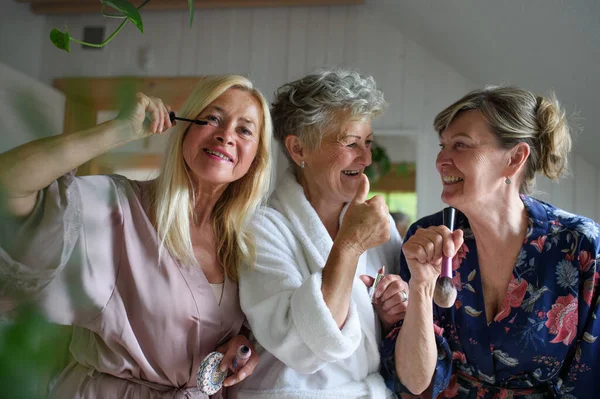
(93, 6)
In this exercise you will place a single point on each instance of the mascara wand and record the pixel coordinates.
(173, 118)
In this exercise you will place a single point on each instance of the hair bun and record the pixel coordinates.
(554, 137)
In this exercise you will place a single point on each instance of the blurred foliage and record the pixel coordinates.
(32, 351)
(381, 163)
(125, 11)
(28, 354)
(191, 7)
(405, 168)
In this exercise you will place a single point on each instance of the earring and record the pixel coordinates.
(302, 164)
(507, 181)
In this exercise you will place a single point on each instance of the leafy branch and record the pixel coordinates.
(126, 11)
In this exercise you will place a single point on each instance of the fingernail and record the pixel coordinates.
(241, 375)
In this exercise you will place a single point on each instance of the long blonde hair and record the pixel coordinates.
(173, 197)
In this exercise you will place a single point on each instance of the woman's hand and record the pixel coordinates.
(390, 298)
(229, 350)
(366, 223)
(424, 251)
(146, 116)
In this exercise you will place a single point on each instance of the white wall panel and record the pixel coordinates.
(413, 86)
(29, 109)
(563, 193)
(276, 45)
(22, 37)
(585, 188)
(543, 189)
(428, 181)
(336, 33)
(239, 45)
(269, 51)
(317, 35)
(297, 45)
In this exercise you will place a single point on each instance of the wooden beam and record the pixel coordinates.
(93, 6)
(79, 116)
(393, 182)
(109, 93)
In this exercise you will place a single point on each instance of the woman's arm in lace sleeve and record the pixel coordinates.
(29, 168)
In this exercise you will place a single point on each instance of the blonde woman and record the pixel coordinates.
(145, 272)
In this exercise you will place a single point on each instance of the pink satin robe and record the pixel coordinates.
(88, 254)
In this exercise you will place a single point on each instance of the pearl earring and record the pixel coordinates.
(507, 181)
(302, 164)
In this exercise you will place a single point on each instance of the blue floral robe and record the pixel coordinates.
(543, 342)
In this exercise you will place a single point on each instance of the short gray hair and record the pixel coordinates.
(514, 116)
(318, 103)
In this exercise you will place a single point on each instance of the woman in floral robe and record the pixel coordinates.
(525, 320)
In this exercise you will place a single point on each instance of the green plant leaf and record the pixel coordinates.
(191, 5)
(61, 40)
(28, 354)
(128, 10)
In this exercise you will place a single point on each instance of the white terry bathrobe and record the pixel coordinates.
(303, 353)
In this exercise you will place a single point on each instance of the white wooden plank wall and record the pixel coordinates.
(22, 36)
(28, 109)
(578, 191)
(584, 193)
(276, 45)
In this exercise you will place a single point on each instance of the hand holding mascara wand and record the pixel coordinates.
(445, 293)
(173, 118)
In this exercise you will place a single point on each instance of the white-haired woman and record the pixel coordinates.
(145, 272)
(525, 321)
(303, 298)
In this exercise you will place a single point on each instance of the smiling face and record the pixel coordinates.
(471, 162)
(222, 151)
(333, 170)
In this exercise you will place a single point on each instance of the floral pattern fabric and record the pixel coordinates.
(543, 341)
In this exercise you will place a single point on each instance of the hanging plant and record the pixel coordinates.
(380, 165)
(125, 11)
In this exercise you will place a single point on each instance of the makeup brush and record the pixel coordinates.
(445, 292)
(173, 118)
